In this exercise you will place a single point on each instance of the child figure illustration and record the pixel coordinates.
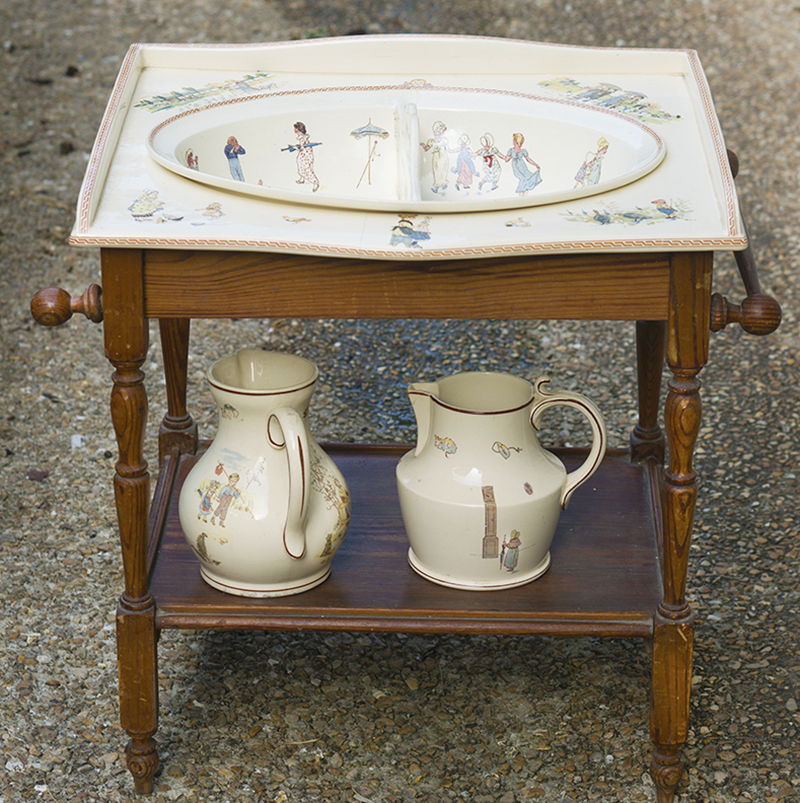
(509, 557)
(588, 173)
(213, 211)
(491, 162)
(232, 151)
(406, 232)
(666, 209)
(464, 169)
(519, 164)
(440, 162)
(146, 205)
(207, 500)
(226, 496)
(305, 157)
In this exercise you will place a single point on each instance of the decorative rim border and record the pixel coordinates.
(558, 247)
(82, 221)
(720, 152)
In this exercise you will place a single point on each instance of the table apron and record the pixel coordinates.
(210, 284)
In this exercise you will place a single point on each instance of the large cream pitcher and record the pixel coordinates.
(264, 509)
(479, 496)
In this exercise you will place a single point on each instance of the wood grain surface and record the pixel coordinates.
(603, 580)
(207, 284)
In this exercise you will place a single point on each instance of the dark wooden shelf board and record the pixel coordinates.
(604, 578)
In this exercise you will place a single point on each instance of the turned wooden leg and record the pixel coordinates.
(138, 690)
(126, 343)
(178, 432)
(672, 677)
(687, 353)
(647, 439)
(674, 632)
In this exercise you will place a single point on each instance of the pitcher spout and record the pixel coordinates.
(421, 395)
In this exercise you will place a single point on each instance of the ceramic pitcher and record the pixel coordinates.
(479, 496)
(264, 509)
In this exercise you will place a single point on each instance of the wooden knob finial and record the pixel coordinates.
(758, 314)
(761, 315)
(54, 306)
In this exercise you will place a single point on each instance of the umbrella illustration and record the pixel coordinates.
(370, 131)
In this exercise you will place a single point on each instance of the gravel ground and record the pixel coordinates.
(316, 717)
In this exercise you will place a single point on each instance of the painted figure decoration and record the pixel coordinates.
(492, 165)
(146, 205)
(410, 233)
(233, 150)
(305, 156)
(588, 173)
(465, 168)
(509, 557)
(192, 97)
(227, 495)
(609, 96)
(212, 212)
(519, 164)
(440, 162)
(659, 211)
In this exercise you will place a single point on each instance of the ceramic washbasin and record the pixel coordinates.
(407, 148)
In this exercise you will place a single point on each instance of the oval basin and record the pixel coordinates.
(408, 148)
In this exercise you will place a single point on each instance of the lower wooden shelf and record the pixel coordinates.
(604, 579)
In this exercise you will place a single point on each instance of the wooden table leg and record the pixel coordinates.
(126, 343)
(647, 439)
(687, 353)
(177, 431)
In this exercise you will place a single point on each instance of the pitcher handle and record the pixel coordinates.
(589, 409)
(298, 455)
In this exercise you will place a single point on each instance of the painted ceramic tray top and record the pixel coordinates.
(356, 146)
(402, 153)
